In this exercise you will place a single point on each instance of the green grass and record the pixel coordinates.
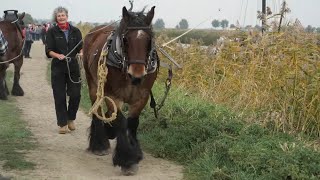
(211, 142)
(15, 138)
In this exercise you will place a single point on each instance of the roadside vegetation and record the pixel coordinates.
(15, 139)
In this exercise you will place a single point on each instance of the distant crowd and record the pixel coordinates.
(33, 32)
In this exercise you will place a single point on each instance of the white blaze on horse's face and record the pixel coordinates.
(140, 34)
(138, 42)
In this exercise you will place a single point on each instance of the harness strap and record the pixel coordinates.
(153, 103)
(137, 62)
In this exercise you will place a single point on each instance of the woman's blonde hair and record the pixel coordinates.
(57, 10)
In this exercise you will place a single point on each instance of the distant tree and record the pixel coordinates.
(215, 23)
(28, 19)
(96, 24)
(183, 24)
(248, 27)
(41, 21)
(310, 29)
(159, 24)
(318, 30)
(232, 26)
(224, 23)
(258, 27)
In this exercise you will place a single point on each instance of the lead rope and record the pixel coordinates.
(102, 73)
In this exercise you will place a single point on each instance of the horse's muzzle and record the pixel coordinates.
(136, 73)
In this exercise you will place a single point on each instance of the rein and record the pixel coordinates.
(153, 104)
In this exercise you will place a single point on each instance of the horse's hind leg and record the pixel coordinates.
(98, 141)
(16, 88)
(3, 85)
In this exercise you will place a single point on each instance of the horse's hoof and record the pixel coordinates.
(4, 97)
(17, 92)
(101, 153)
(130, 171)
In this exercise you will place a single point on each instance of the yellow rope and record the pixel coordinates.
(102, 73)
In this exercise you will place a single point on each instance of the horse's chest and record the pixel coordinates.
(131, 94)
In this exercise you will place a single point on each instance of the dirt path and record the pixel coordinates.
(64, 156)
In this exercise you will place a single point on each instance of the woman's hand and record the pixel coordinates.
(61, 56)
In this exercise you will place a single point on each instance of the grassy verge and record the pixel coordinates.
(15, 139)
(211, 142)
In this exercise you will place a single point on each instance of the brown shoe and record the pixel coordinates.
(63, 130)
(71, 125)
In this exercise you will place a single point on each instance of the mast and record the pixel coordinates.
(263, 15)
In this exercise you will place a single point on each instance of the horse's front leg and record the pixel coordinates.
(16, 88)
(128, 152)
(101, 132)
(3, 85)
(98, 140)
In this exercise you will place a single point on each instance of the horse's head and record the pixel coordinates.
(137, 42)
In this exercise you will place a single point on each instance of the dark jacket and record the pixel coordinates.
(56, 41)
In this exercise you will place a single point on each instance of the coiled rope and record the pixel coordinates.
(102, 73)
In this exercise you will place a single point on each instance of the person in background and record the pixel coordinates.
(38, 32)
(43, 33)
(28, 34)
(62, 40)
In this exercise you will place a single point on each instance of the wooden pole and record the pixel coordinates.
(263, 15)
(282, 13)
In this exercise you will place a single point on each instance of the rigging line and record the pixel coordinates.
(165, 44)
(245, 15)
(240, 11)
(275, 9)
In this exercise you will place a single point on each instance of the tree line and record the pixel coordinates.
(183, 24)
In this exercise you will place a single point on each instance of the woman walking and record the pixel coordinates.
(63, 42)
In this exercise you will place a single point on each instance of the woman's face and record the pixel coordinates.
(62, 17)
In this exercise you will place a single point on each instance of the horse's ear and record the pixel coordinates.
(150, 16)
(22, 15)
(125, 14)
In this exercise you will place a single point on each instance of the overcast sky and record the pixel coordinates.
(171, 11)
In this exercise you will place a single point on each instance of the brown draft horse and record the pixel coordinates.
(11, 28)
(132, 64)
